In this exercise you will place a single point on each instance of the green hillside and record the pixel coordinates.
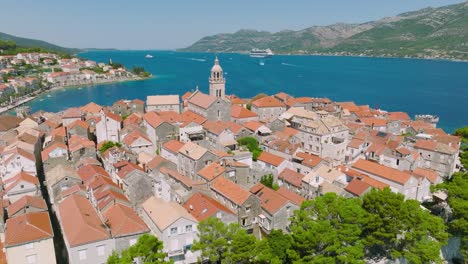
(434, 32)
(34, 43)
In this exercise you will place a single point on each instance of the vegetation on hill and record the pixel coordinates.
(252, 145)
(30, 45)
(269, 181)
(434, 32)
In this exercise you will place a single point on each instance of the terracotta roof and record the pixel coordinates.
(271, 159)
(80, 123)
(202, 100)
(267, 101)
(179, 177)
(22, 176)
(351, 106)
(28, 228)
(212, 171)
(172, 212)
(123, 221)
(308, 160)
(373, 121)
(113, 116)
(435, 146)
(130, 167)
(363, 177)
(202, 207)
(27, 201)
(133, 119)
(429, 174)
(45, 153)
(291, 196)
(403, 151)
(253, 125)
(91, 108)
(291, 177)
(153, 119)
(133, 136)
(357, 187)
(230, 190)
(72, 113)
(193, 150)
(382, 171)
(355, 143)
(270, 200)
(79, 221)
(156, 162)
(137, 101)
(186, 95)
(173, 145)
(162, 100)
(282, 96)
(190, 116)
(8, 122)
(241, 112)
(89, 171)
(398, 116)
(76, 143)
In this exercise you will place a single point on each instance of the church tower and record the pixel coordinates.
(217, 81)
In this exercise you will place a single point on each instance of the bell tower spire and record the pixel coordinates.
(217, 81)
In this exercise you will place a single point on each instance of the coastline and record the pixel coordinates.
(336, 55)
(63, 87)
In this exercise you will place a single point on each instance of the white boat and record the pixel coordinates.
(259, 53)
(149, 56)
(261, 63)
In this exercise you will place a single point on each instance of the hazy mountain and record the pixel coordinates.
(439, 31)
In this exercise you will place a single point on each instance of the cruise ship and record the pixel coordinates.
(259, 53)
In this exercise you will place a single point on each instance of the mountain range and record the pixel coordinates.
(34, 43)
(430, 32)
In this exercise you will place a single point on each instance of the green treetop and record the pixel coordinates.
(148, 249)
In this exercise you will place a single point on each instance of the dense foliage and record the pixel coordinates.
(148, 249)
(463, 133)
(269, 181)
(334, 229)
(140, 71)
(109, 144)
(457, 190)
(252, 145)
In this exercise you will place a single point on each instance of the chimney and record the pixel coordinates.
(191, 207)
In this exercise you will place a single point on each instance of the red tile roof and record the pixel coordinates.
(28, 228)
(92, 108)
(292, 177)
(357, 187)
(308, 160)
(80, 123)
(267, 101)
(373, 121)
(212, 171)
(22, 176)
(89, 171)
(153, 119)
(429, 174)
(382, 171)
(126, 170)
(271, 159)
(80, 222)
(253, 125)
(202, 100)
(241, 112)
(270, 200)
(202, 207)
(173, 145)
(230, 190)
(45, 153)
(133, 136)
(25, 202)
(291, 196)
(123, 221)
(398, 116)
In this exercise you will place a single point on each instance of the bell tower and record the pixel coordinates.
(217, 81)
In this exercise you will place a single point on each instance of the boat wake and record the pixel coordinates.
(289, 64)
(195, 59)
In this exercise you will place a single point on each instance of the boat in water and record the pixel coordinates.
(149, 56)
(259, 53)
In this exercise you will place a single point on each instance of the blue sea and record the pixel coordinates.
(414, 86)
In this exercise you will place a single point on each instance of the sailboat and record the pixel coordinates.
(149, 56)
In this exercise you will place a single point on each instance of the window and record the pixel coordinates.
(132, 242)
(101, 250)
(188, 228)
(82, 254)
(29, 246)
(173, 230)
(31, 259)
(247, 209)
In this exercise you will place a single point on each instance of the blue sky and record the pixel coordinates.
(170, 24)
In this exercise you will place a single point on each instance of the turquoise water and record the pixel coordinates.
(414, 86)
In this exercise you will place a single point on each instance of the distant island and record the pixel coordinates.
(427, 33)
